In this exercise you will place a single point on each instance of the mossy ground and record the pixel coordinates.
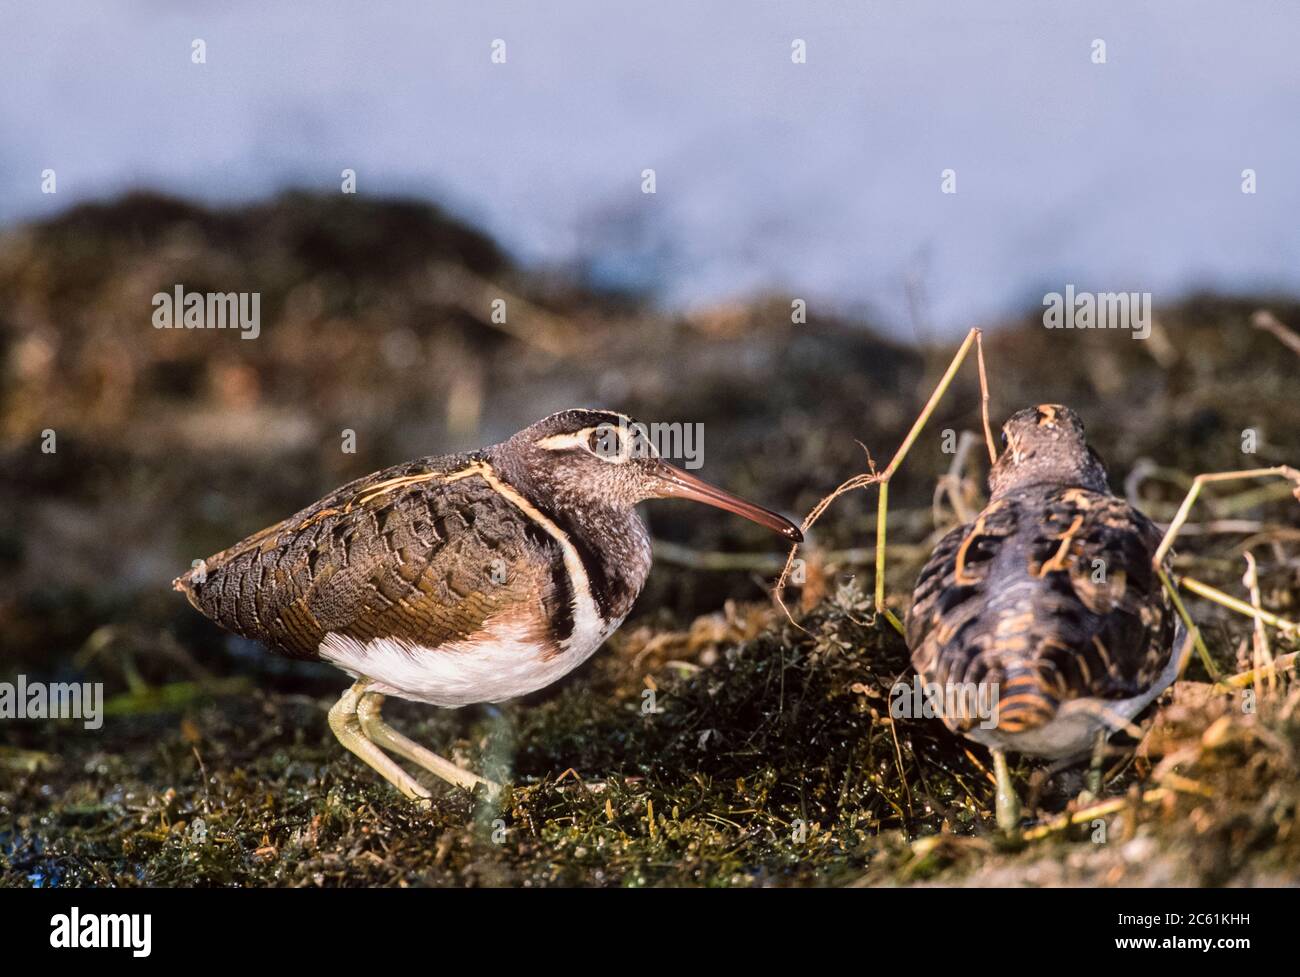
(775, 763)
(763, 754)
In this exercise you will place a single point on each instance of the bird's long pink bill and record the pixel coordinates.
(677, 484)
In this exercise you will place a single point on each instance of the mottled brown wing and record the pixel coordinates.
(951, 594)
(1049, 593)
(419, 552)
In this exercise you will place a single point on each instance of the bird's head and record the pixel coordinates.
(578, 459)
(1045, 445)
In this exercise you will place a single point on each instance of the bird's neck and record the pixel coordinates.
(611, 540)
(615, 550)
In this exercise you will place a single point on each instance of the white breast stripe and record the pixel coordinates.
(587, 622)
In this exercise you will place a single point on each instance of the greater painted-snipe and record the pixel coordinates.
(460, 579)
(1050, 598)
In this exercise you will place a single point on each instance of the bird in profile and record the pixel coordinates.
(1047, 605)
(460, 579)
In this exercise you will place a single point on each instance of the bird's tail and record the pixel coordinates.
(187, 582)
(1025, 700)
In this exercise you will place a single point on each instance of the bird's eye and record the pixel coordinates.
(606, 442)
(1004, 439)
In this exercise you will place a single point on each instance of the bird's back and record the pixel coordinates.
(424, 552)
(1049, 596)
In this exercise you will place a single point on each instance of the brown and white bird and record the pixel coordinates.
(459, 579)
(1050, 599)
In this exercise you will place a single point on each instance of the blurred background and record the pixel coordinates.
(522, 181)
(819, 178)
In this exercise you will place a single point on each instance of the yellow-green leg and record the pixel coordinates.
(1007, 802)
(1098, 766)
(382, 734)
(347, 727)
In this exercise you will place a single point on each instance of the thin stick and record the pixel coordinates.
(1188, 623)
(950, 484)
(1262, 654)
(1242, 679)
(882, 509)
(856, 482)
(974, 337)
(1235, 604)
(1263, 319)
(984, 398)
(931, 404)
(1200, 481)
(1113, 806)
(1176, 525)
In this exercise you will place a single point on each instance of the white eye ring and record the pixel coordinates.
(608, 443)
(614, 444)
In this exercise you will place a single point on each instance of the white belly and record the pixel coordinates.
(502, 663)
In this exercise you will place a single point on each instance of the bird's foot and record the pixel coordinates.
(360, 727)
(346, 725)
(382, 734)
